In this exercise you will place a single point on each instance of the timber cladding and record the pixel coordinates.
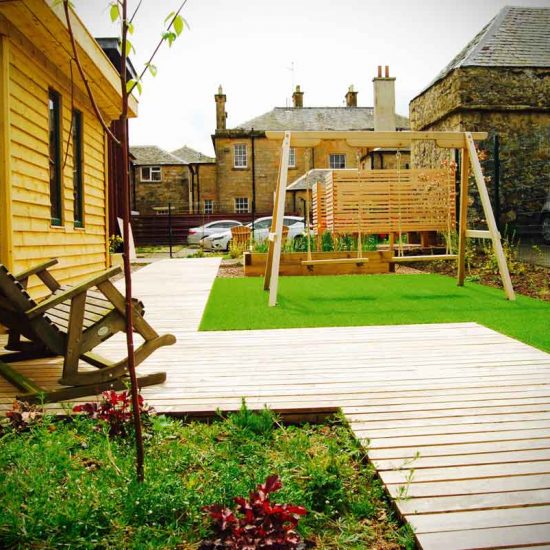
(30, 78)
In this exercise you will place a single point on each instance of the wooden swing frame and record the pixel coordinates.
(464, 141)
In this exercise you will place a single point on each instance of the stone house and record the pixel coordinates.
(248, 163)
(500, 83)
(178, 179)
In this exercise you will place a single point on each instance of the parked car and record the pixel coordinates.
(545, 220)
(221, 241)
(197, 233)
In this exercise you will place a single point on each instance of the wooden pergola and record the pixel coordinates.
(463, 141)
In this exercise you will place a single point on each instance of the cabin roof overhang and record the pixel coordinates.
(45, 27)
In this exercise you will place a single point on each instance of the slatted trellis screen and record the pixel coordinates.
(383, 201)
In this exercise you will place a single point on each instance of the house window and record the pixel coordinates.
(77, 170)
(292, 157)
(241, 205)
(239, 151)
(54, 106)
(208, 206)
(337, 161)
(151, 173)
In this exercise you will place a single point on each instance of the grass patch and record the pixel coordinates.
(354, 300)
(64, 484)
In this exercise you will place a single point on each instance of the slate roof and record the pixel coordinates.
(146, 155)
(190, 156)
(515, 37)
(317, 118)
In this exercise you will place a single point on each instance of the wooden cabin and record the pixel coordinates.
(53, 150)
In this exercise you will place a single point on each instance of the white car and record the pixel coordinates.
(221, 241)
(197, 233)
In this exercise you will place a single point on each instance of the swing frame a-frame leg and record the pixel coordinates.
(469, 153)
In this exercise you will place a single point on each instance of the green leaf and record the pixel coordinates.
(169, 37)
(133, 83)
(152, 69)
(169, 16)
(129, 48)
(114, 12)
(178, 25)
(130, 28)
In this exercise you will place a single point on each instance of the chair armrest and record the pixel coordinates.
(42, 307)
(35, 270)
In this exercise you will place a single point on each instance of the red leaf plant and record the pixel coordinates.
(23, 415)
(115, 409)
(261, 524)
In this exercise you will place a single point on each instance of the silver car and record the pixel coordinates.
(221, 241)
(197, 233)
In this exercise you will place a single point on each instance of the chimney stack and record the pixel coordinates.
(221, 115)
(351, 97)
(384, 101)
(298, 97)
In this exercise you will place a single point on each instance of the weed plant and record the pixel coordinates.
(66, 484)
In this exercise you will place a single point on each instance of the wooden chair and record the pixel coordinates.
(70, 322)
(240, 235)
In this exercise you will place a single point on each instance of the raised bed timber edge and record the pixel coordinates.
(291, 263)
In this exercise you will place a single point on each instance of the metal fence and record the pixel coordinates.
(517, 170)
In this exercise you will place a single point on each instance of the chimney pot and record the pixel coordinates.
(221, 115)
(384, 101)
(351, 97)
(298, 98)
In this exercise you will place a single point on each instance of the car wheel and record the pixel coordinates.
(545, 229)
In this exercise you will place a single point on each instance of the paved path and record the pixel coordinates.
(455, 417)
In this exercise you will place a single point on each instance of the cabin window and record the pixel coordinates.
(208, 206)
(151, 173)
(241, 205)
(77, 170)
(54, 106)
(292, 157)
(239, 160)
(337, 161)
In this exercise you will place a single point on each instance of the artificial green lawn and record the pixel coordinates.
(352, 300)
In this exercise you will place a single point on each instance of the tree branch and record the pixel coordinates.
(157, 48)
(135, 12)
(83, 76)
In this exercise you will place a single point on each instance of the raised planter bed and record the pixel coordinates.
(291, 263)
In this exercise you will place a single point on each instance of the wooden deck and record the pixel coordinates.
(455, 417)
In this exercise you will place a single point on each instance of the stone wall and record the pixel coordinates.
(511, 103)
(208, 185)
(174, 189)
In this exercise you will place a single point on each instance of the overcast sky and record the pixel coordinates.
(249, 46)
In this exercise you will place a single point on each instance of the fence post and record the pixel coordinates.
(170, 227)
(496, 176)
